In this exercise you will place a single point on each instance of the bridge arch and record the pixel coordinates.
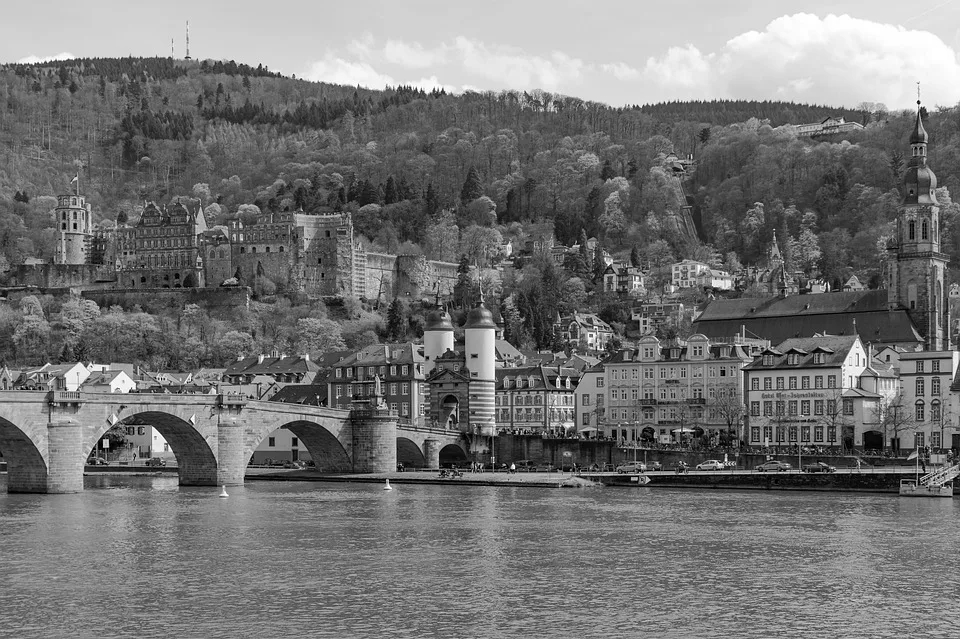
(453, 454)
(326, 450)
(195, 450)
(409, 453)
(26, 464)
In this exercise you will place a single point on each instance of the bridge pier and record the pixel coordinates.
(431, 453)
(231, 460)
(374, 440)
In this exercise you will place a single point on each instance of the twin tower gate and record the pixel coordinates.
(46, 437)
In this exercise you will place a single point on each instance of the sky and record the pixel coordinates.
(838, 53)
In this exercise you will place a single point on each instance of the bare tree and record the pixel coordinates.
(894, 418)
(729, 406)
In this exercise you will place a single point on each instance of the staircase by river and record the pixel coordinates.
(940, 477)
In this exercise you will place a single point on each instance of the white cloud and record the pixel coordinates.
(32, 59)
(512, 67)
(836, 60)
(621, 71)
(413, 55)
(339, 71)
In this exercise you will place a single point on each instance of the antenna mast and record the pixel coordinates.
(188, 41)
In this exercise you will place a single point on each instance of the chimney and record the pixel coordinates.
(260, 358)
(306, 357)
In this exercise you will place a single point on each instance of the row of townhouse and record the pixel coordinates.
(536, 398)
(691, 274)
(667, 391)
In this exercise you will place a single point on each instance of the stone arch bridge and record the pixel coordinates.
(46, 437)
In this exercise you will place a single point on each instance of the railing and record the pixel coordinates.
(63, 397)
(940, 477)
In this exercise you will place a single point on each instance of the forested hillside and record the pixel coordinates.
(452, 176)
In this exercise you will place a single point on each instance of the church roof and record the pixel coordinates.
(781, 318)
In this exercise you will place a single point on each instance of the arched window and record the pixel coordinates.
(912, 295)
(920, 415)
(923, 230)
(935, 411)
(911, 230)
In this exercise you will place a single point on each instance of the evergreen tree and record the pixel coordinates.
(472, 189)
(396, 323)
(607, 173)
(599, 265)
(390, 195)
(431, 203)
(463, 289)
(635, 259)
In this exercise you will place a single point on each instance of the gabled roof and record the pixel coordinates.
(834, 348)
(781, 318)
(306, 394)
(270, 366)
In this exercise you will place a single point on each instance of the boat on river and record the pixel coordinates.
(939, 483)
(910, 488)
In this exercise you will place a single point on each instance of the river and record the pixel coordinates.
(144, 557)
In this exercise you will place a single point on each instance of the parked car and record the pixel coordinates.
(156, 461)
(710, 464)
(773, 466)
(525, 466)
(297, 465)
(655, 466)
(96, 461)
(819, 467)
(632, 467)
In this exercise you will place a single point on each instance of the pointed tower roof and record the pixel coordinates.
(919, 135)
(438, 319)
(919, 182)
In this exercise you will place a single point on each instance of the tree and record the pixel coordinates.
(599, 263)
(321, 335)
(478, 244)
(472, 188)
(635, 259)
(441, 237)
(396, 322)
(729, 406)
(894, 417)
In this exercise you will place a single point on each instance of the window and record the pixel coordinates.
(935, 386)
(405, 409)
(294, 442)
(805, 382)
(818, 358)
(405, 370)
(780, 407)
(935, 440)
(805, 433)
(779, 383)
(755, 383)
(793, 359)
(920, 366)
(767, 409)
(847, 406)
(912, 230)
(755, 409)
(818, 407)
(831, 381)
(599, 382)
(793, 383)
(648, 373)
(393, 370)
(767, 383)
(935, 411)
(935, 365)
(920, 387)
(793, 407)
(271, 442)
(405, 388)
(767, 434)
(768, 360)
(919, 439)
(805, 407)
(585, 399)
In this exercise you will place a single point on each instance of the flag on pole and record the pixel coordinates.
(912, 455)
(76, 178)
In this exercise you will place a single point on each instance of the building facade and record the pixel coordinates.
(399, 370)
(536, 398)
(676, 390)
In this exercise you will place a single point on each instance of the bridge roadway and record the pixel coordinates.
(46, 437)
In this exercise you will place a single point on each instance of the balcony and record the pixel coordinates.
(648, 402)
(696, 400)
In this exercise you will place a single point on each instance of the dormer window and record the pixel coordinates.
(793, 359)
(768, 360)
(818, 358)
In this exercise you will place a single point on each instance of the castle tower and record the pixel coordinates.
(480, 335)
(437, 335)
(75, 227)
(918, 267)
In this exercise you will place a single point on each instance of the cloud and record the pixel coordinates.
(838, 60)
(32, 59)
(514, 68)
(413, 55)
(339, 71)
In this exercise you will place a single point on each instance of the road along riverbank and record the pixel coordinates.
(876, 480)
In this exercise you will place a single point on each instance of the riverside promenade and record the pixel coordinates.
(884, 479)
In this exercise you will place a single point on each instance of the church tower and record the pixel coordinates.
(74, 227)
(918, 267)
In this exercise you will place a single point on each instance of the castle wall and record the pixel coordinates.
(59, 275)
(225, 299)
